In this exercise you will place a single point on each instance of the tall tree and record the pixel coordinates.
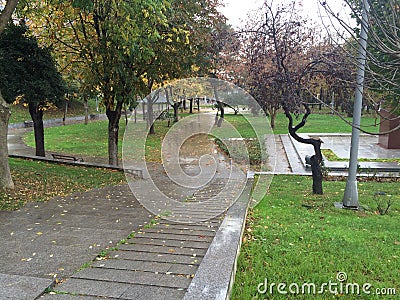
(281, 66)
(184, 48)
(5, 175)
(28, 73)
(112, 41)
(127, 47)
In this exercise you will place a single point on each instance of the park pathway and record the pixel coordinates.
(47, 241)
(56, 243)
(160, 260)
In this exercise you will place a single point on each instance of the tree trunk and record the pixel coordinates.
(5, 175)
(65, 112)
(150, 117)
(86, 107)
(135, 114)
(316, 159)
(222, 116)
(191, 106)
(38, 128)
(220, 107)
(220, 119)
(113, 129)
(272, 114)
(6, 13)
(176, 107)
(316, 175)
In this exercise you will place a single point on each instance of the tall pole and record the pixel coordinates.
(350, 199)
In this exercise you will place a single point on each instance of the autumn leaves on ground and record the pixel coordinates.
(294, 238)
(291, 236)
(39, 181)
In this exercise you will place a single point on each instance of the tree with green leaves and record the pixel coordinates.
(126, 49)
(185, 48)
(111, 42)
(28, 74)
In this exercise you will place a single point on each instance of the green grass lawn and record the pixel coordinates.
(39, 181)
(316, 123)
(295, 237)
(243, 126)
(78, 139)
(91, 140)
(326, 123)
(331, 156)
(19, 113)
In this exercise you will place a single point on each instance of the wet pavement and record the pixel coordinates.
(339, 144)
(56, 244)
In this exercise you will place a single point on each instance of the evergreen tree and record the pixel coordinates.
(28, 74)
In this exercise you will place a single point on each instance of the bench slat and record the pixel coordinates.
(66, 157)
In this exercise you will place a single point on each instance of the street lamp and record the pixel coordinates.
(350, 198)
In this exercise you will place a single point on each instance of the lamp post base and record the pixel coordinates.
(340, 205)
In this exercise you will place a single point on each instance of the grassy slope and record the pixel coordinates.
(91, 139)
(39, 181)
(79, 139)
(293, 236)
(19, 113)
(326, 123)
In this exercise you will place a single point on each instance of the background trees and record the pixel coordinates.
(284, 65)
(125, 49)
(288, 65)
(384, 52)
(382, 78)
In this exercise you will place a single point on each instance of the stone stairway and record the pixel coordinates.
(159, 262)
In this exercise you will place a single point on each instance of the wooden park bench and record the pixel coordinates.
(28, 124)
(66, 157)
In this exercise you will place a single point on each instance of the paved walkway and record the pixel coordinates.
(42, 242)
(340, 145)
(145, 258)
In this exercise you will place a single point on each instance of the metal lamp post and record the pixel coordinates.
(350, 199)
